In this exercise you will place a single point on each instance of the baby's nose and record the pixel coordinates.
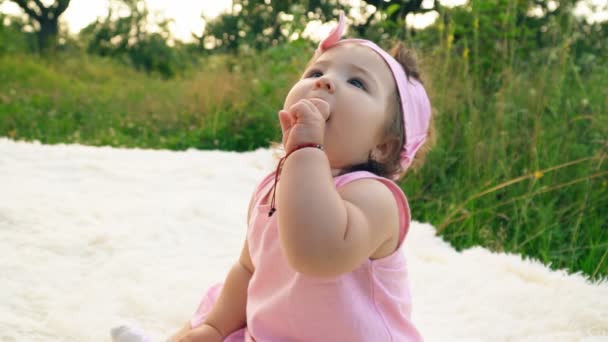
(325, 83)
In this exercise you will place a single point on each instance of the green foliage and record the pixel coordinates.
(520, 162)
(544, 129)
(496, 35)
(128, 39)
(248, 120)
(227, 104)
(261, 24)
(46, 16)
(12, 36)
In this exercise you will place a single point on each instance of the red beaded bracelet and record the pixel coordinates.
(279, 168)
(301, 146)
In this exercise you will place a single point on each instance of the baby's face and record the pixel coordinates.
(357, 84)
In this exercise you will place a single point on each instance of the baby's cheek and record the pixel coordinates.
(296, 93)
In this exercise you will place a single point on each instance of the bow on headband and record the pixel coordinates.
(415, 104)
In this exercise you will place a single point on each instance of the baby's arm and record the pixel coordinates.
(228, 313)
(325, 232)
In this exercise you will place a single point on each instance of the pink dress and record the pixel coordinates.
(371, 303)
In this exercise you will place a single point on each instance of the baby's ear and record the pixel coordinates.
(384, 151)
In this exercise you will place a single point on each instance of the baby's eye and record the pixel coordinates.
(314, 73)
(357, 83)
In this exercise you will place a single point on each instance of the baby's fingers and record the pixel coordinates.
(305, 112)
(322, 106)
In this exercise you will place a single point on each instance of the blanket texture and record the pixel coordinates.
(92, 238)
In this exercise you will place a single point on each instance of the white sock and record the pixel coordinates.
(125, 333)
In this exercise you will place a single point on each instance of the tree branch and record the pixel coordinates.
(61, 6)
(27, 10)
(41, 7)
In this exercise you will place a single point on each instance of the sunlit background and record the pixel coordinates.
(187, 16)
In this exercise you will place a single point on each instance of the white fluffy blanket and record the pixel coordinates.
(91, 238)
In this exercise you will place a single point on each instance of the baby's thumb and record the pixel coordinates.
(285, 120)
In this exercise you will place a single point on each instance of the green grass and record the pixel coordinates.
(97, 102)
(521, 162)
(522, 159)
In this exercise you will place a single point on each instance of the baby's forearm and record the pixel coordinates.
(228, 313)
(202, 333)
(312, 215)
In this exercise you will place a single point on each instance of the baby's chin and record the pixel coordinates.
(335, 172)
(335, 168)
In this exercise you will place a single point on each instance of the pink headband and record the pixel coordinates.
(415, 104)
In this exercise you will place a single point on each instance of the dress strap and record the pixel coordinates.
(262, 188)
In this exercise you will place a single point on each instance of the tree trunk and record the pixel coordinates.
(47, 36)
(48, 19)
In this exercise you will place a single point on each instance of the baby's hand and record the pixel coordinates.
(304, 122)
(202, 333)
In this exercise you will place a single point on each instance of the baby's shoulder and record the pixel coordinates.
(372, 194)
(379, 208)
(363, 182)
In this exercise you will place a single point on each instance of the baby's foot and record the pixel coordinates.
(126, 333)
